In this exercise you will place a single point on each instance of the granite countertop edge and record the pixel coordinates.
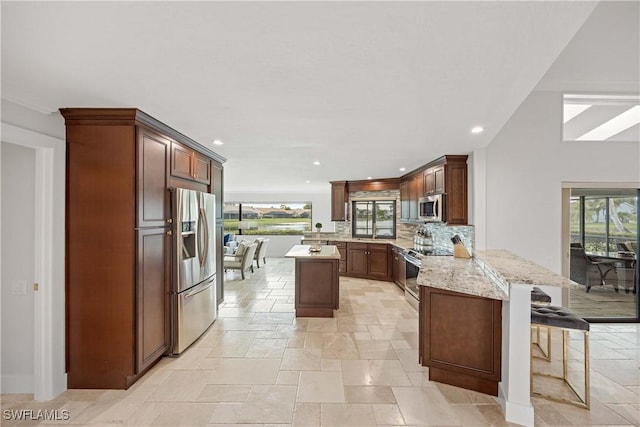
(401, 243)
(490, 274)
(461, 275)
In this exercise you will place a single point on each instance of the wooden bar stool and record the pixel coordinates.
(561, 318)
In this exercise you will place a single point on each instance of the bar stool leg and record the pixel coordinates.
(545, 355)
(582, 402)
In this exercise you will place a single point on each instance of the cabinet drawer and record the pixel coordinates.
(358, 246)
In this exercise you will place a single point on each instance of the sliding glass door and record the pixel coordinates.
(604, 253)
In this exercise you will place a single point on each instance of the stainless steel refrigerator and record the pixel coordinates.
(193, 297)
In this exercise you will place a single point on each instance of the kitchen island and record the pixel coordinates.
(317, 291)
(491, 277)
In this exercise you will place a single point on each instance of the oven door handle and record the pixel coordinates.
(413, 261)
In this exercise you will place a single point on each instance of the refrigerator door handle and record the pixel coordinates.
(205, 254)
(201, 289)
(200, 238)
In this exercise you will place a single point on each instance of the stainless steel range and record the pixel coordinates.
(413, 260)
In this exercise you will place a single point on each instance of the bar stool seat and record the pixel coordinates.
(540, 297)
(563, 319)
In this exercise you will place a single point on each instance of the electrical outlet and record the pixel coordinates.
(18, 287)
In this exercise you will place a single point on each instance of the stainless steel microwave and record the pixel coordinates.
(431, 208)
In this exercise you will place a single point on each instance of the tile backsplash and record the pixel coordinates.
(442, 235)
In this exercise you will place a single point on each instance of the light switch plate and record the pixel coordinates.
(18, 287)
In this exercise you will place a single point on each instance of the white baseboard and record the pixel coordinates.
(514, 412)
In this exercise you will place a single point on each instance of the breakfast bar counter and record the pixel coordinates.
(475, 319)
(317, 291)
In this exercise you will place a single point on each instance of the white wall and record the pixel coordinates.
(320, 212)
(18, 207)
(525, 166)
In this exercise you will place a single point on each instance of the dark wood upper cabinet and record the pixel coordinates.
(153, 161)
(446, 175)
(119, 165)
(438, 180)
(338, 200)
(405, 196)
(189, 164)
(217, 185)
(456, 200)
(429, 182)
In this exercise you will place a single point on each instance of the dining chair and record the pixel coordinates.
(584, 269)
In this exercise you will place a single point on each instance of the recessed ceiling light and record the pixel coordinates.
(477, 129)
(316, 163)
(368, 177)
(403, 169)
(308, 182)
(217, 142)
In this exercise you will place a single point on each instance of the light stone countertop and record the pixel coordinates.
(458, 275)
(513, 269)
(478, 276)
(401, 243)
(302, 251)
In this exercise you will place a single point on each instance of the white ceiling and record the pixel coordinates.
(363, 87)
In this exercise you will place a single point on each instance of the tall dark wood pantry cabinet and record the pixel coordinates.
(119, 239)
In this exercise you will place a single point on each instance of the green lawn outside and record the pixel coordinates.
(272, 226)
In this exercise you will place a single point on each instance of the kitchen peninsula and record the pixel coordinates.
(491, 295)
(317, 291)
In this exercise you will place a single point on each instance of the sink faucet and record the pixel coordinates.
(375, 231)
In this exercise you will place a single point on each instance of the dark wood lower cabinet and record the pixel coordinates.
(358, 259)
(369, 260)
(317, 291)
(342, 248)
(152, 296)
(460, 339)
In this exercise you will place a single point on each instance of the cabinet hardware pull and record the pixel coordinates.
(170, 221)
(169, 232)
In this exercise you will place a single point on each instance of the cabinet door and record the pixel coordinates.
(398, 266)
(404, 199)
(342, 248)
(438, 180)
(153, 153)
(181, 163)
(456, 208)
(201, 168)
(217, 183)
(357, 258)
(429, 182)
(451, 348)
(338, 198)
(152, 296)
(416, 193)
(378, 261)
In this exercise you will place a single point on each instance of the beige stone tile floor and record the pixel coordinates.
(258, 365)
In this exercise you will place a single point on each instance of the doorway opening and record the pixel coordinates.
(601, 229)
